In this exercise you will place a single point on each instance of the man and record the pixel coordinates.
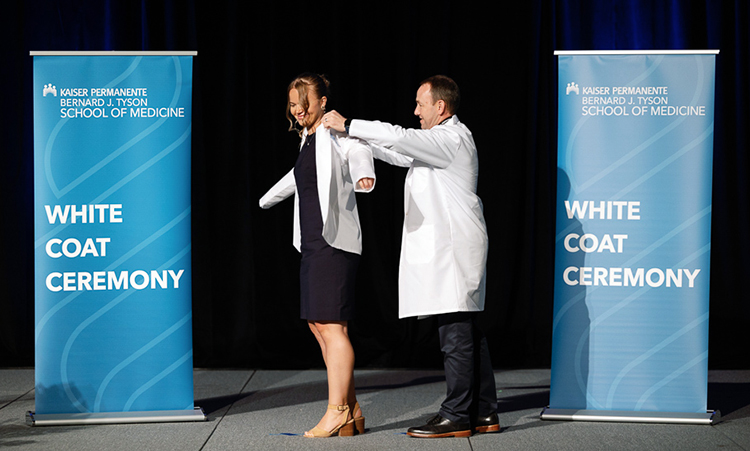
(444, 248)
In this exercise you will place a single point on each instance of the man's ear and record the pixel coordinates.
(440, 107)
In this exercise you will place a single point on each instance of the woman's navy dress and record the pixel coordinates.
(327, 274)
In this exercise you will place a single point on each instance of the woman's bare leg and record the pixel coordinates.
(338, 355)
(321, 343)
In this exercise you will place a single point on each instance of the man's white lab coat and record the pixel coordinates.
(444, 242)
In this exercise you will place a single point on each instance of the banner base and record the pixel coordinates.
(623, 416)
(156, 416)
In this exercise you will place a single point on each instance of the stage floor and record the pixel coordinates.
(269, 410)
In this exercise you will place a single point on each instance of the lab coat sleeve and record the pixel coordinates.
(280, 191)
(390, 157)
(437, 146)
(361, 165)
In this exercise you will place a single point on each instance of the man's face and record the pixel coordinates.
(427, 109)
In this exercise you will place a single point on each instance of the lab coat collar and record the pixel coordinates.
(453, 120)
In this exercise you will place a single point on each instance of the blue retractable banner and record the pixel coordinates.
(633, 229)
(112, 215)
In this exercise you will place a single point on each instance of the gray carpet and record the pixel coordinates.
(269, 410)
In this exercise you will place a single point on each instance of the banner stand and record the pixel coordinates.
(69, 419)
(633, 216)
(622, 416)
(112, 249)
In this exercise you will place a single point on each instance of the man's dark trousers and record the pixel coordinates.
(468, 370)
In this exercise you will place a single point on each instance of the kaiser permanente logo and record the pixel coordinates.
(49, 89)
(630, 101)
(108, 102)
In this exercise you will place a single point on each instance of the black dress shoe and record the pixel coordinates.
(440, 427)
(489, 423)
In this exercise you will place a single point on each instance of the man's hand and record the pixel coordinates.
(334, 120)
(366, 183)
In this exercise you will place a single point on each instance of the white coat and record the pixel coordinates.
(444, 241)
(340, 161)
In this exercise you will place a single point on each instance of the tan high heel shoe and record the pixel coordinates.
(359, 422)
(345, 429)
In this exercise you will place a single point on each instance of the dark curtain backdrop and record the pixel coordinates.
(245, 298)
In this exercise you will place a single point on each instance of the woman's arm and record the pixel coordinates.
(361, 166)
(280, 191)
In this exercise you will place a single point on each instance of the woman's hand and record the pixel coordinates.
(366, 183)
(335, 121)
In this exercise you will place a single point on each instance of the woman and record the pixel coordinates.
(327, 233)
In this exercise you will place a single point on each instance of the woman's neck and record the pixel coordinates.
(311, 129)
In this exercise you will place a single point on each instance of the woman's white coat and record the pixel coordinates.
(340, 162)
